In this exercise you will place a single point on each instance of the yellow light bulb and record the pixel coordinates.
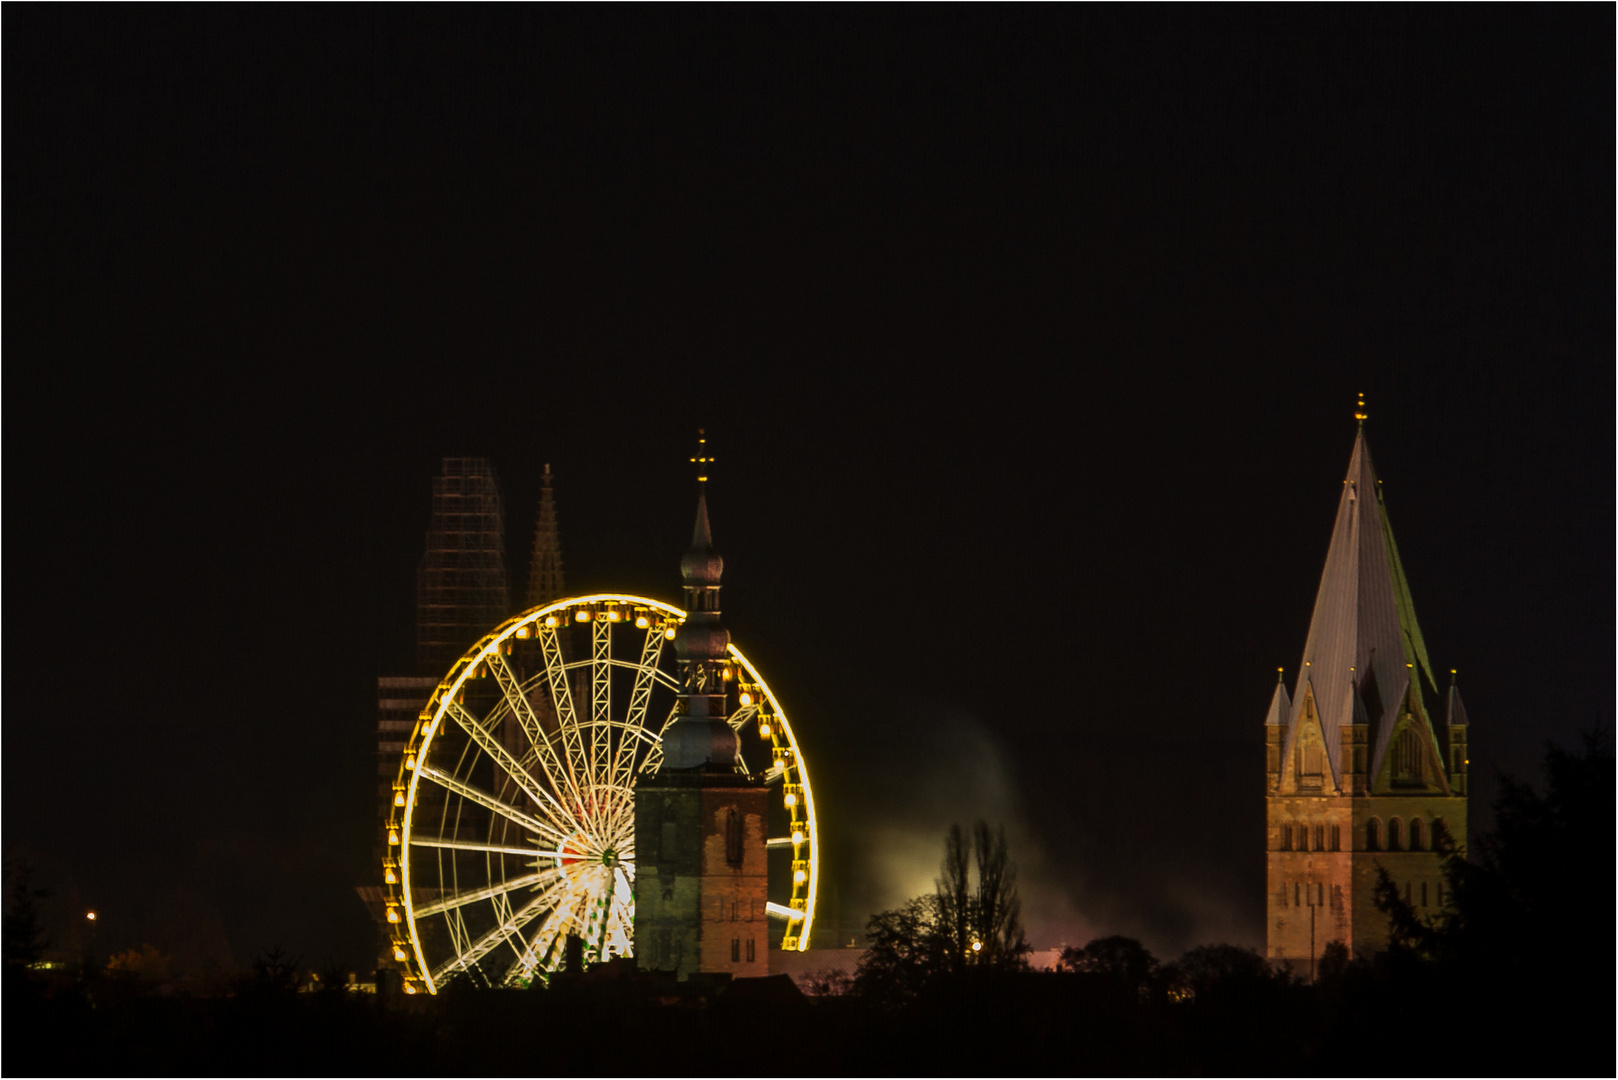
(764, 731)
(669, 633)
(393, 915)
(398, 954)
(791, 800)
(797, 836)
(393, 836)
(390, 877)
(410, 762)
(398, 798)
(745, 698)
(550, 620)
(613, 616)
(800, 876)
(522, 631)
(642, 621)
(410, 988)
(581, 616)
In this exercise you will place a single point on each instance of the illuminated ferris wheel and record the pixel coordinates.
(513, 825)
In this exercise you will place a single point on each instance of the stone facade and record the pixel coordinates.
(702, 877)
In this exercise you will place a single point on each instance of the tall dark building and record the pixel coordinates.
(461, 582)
(1365, 770)
(701, 884)
(460, 595)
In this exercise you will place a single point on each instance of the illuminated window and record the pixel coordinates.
(1395, 841)
(1337, 838)
(1373, 835)
(1415, 835)
(733, 838)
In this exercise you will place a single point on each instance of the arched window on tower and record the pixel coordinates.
(1416, 843)
(1311, 763)
(1337, 838)
(1373, 835)
(1320, 838)
(1286, 837)
(733, 838)
(1395, 841)
(1409, 762)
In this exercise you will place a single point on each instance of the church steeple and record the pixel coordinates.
(545, 581)
(1357, 784)
(1363, 635)
(700, 736)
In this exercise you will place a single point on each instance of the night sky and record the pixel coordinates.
(1027, 341)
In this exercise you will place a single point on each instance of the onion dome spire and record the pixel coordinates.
(701, 736)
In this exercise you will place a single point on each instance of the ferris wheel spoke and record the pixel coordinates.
(515, 769)
(473, 896)
(640, 699)
(563, 917)
(489, 802)
(475, 845)
(567, 716)
(519, 704)
(600, 698)
(742, 717)
(491, 939)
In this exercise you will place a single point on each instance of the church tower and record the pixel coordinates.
(701, 863)
(1364, 771)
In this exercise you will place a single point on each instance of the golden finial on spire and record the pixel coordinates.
(1359, 410)
(702, 460)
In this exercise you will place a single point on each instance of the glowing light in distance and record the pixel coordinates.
(642, 622)
(90, 915)
(398, 954)
(550, 620)
(582, 616)
(977, 946)
(669, 633)
(745, 698)
(613, 616)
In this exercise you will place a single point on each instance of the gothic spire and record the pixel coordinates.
(1363, 639)
(545, 581)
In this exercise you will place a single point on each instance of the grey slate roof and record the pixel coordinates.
(1363, 631)
(1280, 706)
(1454, 712)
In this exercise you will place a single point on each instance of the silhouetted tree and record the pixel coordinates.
(24, 932)
(1121, 961)
(906, 948)
(1209, 969)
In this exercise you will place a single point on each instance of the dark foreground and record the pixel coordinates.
(1367, 1020)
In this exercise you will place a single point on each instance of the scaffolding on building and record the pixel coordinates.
(461, 582)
